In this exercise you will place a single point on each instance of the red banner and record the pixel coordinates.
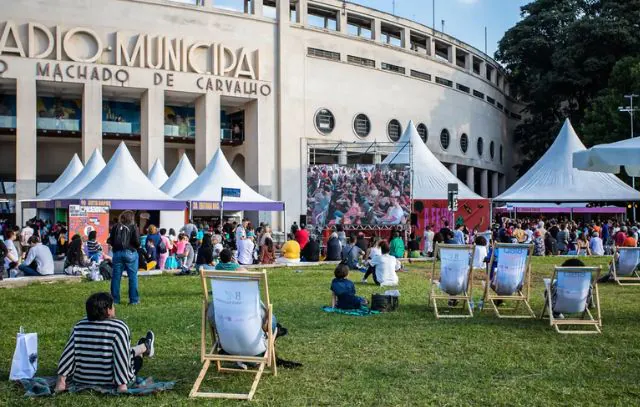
(84, 219)
(474, 213)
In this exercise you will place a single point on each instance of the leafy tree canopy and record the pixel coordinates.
(566, 58)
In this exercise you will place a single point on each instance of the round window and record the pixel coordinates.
(500, 153)
(394, 130)
(422, 131)
(480, 146)
(492, 148)
(325, 122)
(362, 125)
(464, 143)
(444, 139)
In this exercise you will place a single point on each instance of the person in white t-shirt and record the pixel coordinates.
(241, 230)
(25, 235)
(385, 267)
(394, 214)
(245, 250)
(428, 241)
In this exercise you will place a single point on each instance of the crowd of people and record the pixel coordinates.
(360, 195)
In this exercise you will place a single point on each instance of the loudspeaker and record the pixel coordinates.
(303, 221)
(414, 219)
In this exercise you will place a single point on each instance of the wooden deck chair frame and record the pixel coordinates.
(632, 280)
(212, 355)
(435, 294)
(520, 297)
(587, 320)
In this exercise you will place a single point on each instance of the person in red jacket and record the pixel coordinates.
(302, 237)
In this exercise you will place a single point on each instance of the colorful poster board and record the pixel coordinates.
(474, 213)
(84, 219)
(361, 194)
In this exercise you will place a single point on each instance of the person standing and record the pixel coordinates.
(245, 251)
(125, 241)
(241, 230)
(165, 245)
(458, 234)
(302, 237)
(428, 241)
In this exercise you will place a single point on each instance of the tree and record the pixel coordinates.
(560, 58)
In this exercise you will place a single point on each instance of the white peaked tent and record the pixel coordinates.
(122, 179)
(157, 174)
(611, 157)
(73, 169)
(217, 175)
(553, 178)
(91, 169)
(430, 176)
(181, 177)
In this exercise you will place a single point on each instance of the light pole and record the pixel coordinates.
(630, 109)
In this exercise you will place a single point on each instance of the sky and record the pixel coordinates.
(464, 19)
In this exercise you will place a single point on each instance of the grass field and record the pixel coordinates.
(397, 359)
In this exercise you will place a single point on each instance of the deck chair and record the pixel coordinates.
(238, 317)
(625, 269)
(511, 279)
(568, 293)
(454, 281)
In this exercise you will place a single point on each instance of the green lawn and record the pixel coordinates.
(403, 358)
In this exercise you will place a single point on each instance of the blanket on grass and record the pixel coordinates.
(363, 311)
(140, 386)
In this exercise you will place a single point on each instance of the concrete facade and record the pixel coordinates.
(280, 66)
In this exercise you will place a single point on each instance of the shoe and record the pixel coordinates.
(149, 342)
(558, 315)
(363, 281)
(452, 303)
(281, 331)
(241, 365)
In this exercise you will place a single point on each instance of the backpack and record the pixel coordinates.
(121, 237)
(162, 247)
(105, 270)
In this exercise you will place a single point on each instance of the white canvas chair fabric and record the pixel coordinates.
(611, 157)
(554, 179)
(91, 169)
(454, 271)
(511, 269)
(238, 316)
(628, 261)
(571, 291)
(430, 176)
(181, 177)
(157, 174)
(454, 282)
(122, 179)
(73, 169)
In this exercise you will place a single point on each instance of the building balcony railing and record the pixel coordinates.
(7, 122)
(51, 123)
(120, 127)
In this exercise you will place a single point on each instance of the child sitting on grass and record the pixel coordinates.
(344, 290)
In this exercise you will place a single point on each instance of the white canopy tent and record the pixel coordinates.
(91, 169)
(430, 176)
(611, 157)
(73, 169)
(217, 175)
(121, 179)
(183, 175)
(553, 178)
(157, 175)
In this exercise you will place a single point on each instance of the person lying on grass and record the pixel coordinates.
(344, 290)
(99, 352)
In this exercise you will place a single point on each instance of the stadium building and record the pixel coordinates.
(269, 83)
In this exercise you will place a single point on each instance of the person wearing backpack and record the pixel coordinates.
(125, 242)
(163, 248)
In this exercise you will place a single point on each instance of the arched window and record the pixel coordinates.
(325, 122)
(394, 130)
(362, 125)
(444, 139)
(464, 143)
(423, 132)
(480, 146)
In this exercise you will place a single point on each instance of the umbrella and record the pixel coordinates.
(611, 157)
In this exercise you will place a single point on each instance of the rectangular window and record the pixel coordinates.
(463, 88)
(361, 61)
(420, 75)
(393, 68)
(516, 116)
(321, 53)
(491, 100)
(478, 94)
(499, 105)
(444, 82)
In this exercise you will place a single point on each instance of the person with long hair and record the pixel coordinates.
(164, 244)
(75, 255)
(267, 252)
(204, 259)
(125, 241)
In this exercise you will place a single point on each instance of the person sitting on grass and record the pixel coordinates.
(344, 290)
(187, 256)
(99, 352)
(384, 268)
(226, 262)
(290, 251)
(94, 249)
(39, 261)
(396, 246)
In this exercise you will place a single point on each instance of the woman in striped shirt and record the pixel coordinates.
(99, 352)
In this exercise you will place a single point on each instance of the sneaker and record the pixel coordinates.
(452, 303)
(149, 342)
(558, 315)
(241, 365)
(363, 281)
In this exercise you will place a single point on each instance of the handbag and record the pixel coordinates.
(25, 358)
(384, 303)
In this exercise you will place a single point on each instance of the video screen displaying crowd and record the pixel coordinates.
(358, 195)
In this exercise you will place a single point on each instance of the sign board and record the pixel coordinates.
(452, 197)
(84, 219)
(232, 192)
